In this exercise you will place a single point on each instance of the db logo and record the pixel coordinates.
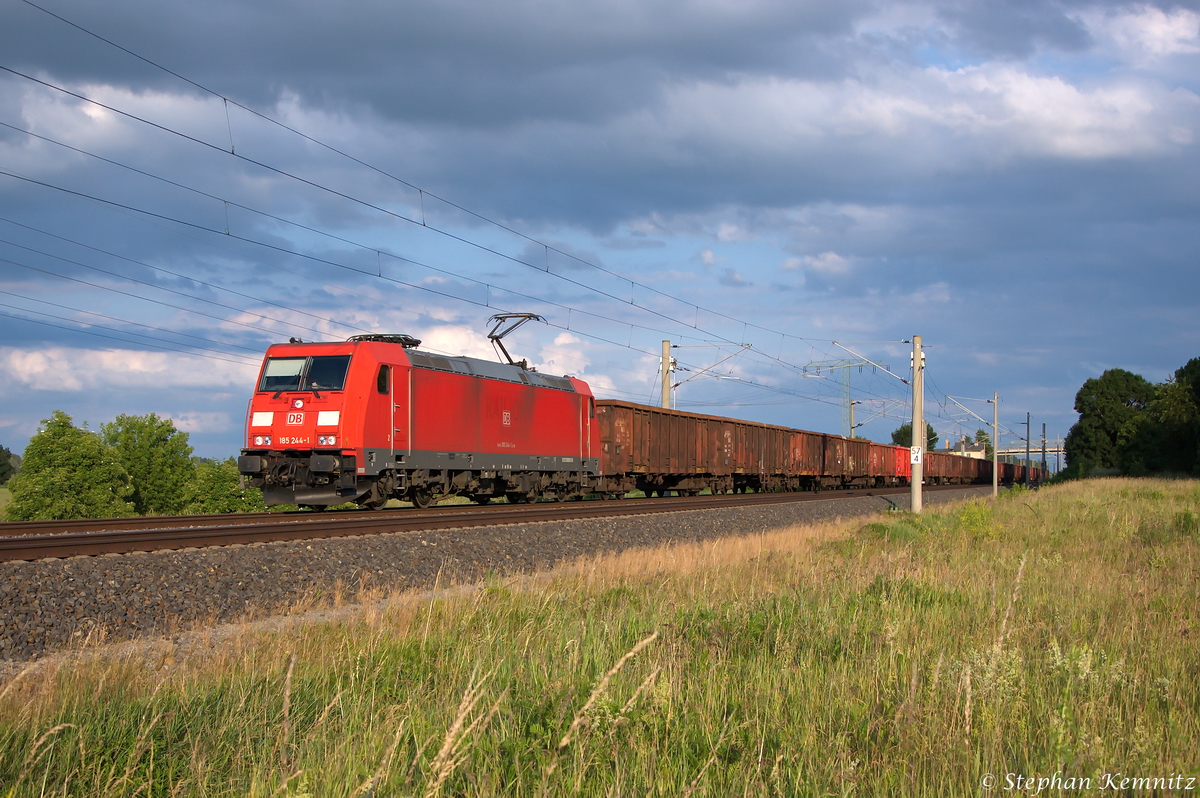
(506, 417)
(295, 419)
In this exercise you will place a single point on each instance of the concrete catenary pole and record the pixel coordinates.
(666, 374)
(919, 440)
(1027, 463)
(995, 444)
(1043, 466)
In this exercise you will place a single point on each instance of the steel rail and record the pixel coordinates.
(184, 532)
(80, 525)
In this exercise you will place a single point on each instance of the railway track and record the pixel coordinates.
(90, 537)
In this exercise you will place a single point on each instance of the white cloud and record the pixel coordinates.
(201, 422)
(461, 341)
(733, 279)
(71, 370)
(1146, 33)
(932, 118)
(825, 263)
(565, 338)
(1031, 115)
(732, 232)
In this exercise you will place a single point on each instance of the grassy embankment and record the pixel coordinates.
(1050, 631)
(5, 498)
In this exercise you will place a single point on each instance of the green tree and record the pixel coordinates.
(1105, 404)
(981, 436)
(1165, 436)
(157, 458)
(6, 465)
(1189, 375)
(68, 472)
(902, 436)
(215, 487)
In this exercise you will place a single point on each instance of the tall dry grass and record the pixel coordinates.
(1050, 631)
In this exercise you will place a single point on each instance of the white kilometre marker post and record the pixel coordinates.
(918, 424)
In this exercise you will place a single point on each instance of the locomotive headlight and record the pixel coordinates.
(327, 440)
(267, 440)
(258, 440)
(297, 403)
(332, 440)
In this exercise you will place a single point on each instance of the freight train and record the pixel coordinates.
(375, 418)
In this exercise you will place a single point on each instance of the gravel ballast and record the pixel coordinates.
(48, 604)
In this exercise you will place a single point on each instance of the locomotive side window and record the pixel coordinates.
(384, 380)
(591, 407)
(321, 373)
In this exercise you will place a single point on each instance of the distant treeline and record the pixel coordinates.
(1135, 426)
(135, 465)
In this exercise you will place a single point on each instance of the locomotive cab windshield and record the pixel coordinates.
(315, 373)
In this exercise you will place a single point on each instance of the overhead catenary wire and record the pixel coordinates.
(143, 298)
(257, 352)
(226, 101)
(188, 277)
(123, 340)
(396, 215)
(308, 228)
(194, 225)
(285, 250)
(423, 221)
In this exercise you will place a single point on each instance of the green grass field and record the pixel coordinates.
(1050, 631)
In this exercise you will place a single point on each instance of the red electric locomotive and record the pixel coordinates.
(374, 418)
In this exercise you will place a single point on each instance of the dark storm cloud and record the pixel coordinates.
(451, 62)
(1014, 28)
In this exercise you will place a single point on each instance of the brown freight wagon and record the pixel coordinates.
(653, 449)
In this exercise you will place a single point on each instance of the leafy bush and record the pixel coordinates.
(68, 472)
(157, 458)
(214, 487)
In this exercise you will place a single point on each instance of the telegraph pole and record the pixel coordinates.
(666, 374)
(918, 423)
(995, 444)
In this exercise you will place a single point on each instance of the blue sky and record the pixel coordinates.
(1013, 181)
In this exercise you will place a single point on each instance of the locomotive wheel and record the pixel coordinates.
(373, 503)
(420, 497)
(481, 499)
(316, 508)
(517, 497)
